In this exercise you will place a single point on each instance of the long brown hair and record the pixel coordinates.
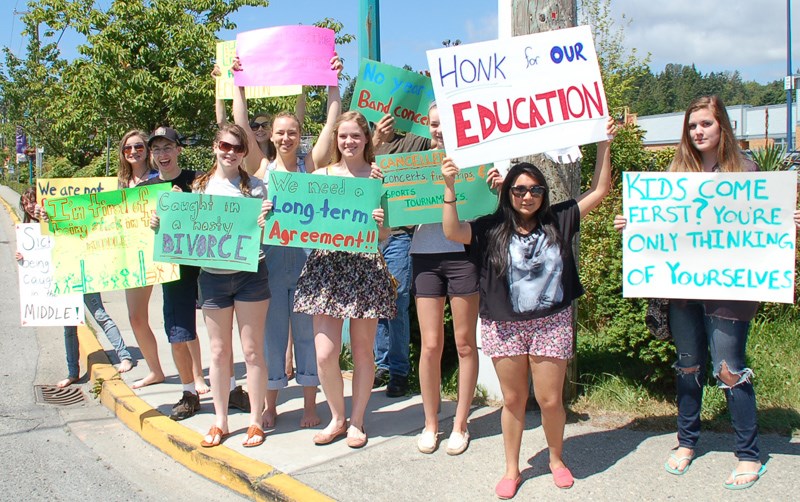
(125, 173)
(28, 197)
(236, 131)
(687, 156)
(269, 150)
(353, 116)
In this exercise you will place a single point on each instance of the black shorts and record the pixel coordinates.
(444, 274)
(180, 302)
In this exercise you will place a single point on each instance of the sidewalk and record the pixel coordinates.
(616, 464)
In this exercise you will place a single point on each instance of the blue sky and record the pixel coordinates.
(744, 35)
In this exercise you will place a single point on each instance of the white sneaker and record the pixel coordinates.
(457, 443)
(426, 442)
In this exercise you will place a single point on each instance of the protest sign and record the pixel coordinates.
(226, 51)
(286, 55)
(519, 96)
(37, 306)
(382, 89)
(103, 241)
(208, 231)
(711, 236)
(64, 187)
(323, 212)
(414, 195)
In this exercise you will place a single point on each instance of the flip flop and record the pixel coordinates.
(213, 432)
(252, 432)
(734, 486)
(678, 460)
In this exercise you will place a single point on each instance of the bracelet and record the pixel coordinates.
(449, 201)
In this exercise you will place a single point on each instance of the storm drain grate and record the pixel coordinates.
(50, 394)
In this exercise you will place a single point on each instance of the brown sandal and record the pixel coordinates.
(253, 431)
(213, 432)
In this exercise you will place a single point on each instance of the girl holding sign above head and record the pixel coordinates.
(441, 269)
(528, 281)
(717, 328)
(135, 168)
(335, 285)
(265, 146)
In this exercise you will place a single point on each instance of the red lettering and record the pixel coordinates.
(463, 125)
(488, 121)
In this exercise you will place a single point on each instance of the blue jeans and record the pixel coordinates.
(284, 265)
(94, 303)
(697, 335)
(393, 337)
(73, 353)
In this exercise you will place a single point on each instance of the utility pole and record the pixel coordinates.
(536, 16)
(369, 34)
(789, 79)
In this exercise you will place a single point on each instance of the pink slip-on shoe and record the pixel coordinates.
(507, 488)
(562, 477)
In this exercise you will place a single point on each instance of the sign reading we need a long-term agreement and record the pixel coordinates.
(709, 236)
(519, 96)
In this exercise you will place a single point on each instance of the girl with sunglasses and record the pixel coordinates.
(224, 293)
(528, 281)
(135, 168)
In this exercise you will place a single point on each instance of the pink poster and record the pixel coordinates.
(286, 55)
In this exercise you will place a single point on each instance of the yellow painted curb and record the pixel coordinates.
(240, 473)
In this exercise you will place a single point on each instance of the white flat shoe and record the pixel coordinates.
(426, 442)
(457, 443)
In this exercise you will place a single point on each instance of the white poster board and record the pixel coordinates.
(519, 96)
(709, 236)
(37, 305)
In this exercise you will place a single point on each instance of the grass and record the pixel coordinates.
(618, 388)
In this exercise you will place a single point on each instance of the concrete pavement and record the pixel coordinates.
(616, 464)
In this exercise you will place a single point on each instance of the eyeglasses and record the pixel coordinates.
(521, 190)
(139, 147)
(228, 147)
(259, 125)
(167, 150)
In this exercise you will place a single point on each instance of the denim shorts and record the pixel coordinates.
(180, 304)
(443, 274)
(220, 291)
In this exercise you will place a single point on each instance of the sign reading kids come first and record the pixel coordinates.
(519, 96)
(323, 212)
(226, 51)
(382, 89)
(709, 236)
(103, 241)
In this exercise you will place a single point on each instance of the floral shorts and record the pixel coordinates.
(549, 336)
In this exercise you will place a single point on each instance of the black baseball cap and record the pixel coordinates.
(166, 133)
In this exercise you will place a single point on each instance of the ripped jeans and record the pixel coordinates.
(696, 335)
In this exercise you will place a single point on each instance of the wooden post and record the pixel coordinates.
(536, 16)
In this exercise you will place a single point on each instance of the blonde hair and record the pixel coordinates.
(125, 173)
(687, 156)
(353, 116)
(236, 131)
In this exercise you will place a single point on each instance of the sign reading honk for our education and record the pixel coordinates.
(519, 96)
(709, 236)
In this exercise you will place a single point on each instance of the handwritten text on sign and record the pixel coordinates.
(47, 188)
(709, 236)
(382, 89)
(323, 212)
(226, 51)
(286, 55)
(519, 96)
(414, 195)
(37, 306)
(208, 231)
(103, 241)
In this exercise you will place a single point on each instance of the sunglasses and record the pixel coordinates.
(227, 147)
(520, 190)
(139, 147)
(259, 125)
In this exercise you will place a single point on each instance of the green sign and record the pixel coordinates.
(323, 212)
(382, 89)
(414, 195)
(103, 241)
(208, 231)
